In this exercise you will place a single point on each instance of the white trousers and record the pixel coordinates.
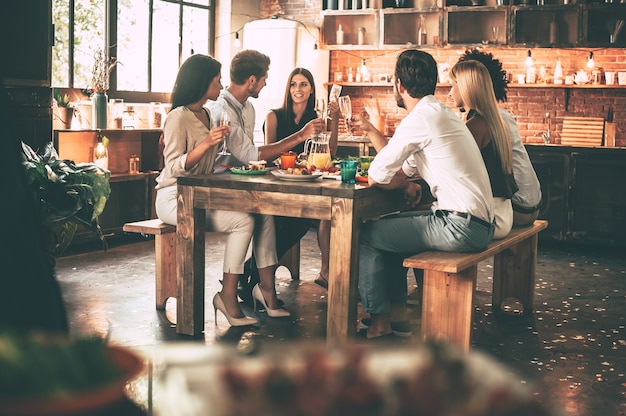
(243, 229)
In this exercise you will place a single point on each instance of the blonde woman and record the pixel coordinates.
(472, 91)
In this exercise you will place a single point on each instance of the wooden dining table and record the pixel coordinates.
(345, 205)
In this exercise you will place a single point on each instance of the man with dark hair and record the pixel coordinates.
(527, 199)
(433, 141)
(248, 76)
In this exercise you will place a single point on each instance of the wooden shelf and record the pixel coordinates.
(132, 195)
(577, 25)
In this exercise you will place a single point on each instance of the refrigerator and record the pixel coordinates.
(289, 44)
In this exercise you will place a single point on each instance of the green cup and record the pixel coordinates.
(364, 162)
(348, 170)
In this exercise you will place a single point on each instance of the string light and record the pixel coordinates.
(590, 63)
(237, 42)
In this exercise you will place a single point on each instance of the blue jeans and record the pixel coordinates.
(385, 243)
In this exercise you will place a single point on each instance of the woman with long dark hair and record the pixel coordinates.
(293, 117)
(190, 148)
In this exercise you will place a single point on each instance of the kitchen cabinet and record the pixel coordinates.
(484, 19)
(402, 27)
(601, 21)
(582, 193)
(27, 36)
(350, 22)
(132, 195)
(522, 25)
(545, 26)
(26, 51)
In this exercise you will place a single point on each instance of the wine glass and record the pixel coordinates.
(495, 30)
(322, 112)
(223, 120)
(345, 106)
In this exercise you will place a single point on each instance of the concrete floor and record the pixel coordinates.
(571, 349)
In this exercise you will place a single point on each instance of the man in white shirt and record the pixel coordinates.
(248, 76)
(433, 141)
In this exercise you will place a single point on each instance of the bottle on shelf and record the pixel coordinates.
(339, 39)
(350, 75)
(554, 30)
(364, 71)
(422, 36)
(558, 72)
(361, 35)
(531, 71)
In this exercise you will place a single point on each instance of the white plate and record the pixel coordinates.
(280, 174)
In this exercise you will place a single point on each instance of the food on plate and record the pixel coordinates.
(257, 164)
(299, 171)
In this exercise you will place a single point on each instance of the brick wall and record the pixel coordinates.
(529, 105)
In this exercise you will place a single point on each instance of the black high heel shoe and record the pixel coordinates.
(272, 313)
(218, 304)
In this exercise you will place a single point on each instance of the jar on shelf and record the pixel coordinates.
(133, 164)
(128, 118)
(155, 115)
(116, 109)
(361, 35)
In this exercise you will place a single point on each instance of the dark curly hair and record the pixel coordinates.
(494, 66)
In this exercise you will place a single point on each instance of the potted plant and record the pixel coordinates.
(100, 74)
(68, 194)
(65, 111)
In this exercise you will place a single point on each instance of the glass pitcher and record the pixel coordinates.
(318, 150)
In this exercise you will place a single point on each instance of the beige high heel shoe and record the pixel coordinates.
(218, 304)
(272, 313)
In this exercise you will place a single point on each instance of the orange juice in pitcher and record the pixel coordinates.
(319, 160)
(319, 152)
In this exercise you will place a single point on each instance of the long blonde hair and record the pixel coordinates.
(476, 90)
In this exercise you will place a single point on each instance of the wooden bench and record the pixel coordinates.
(450, 281)
(165, 257)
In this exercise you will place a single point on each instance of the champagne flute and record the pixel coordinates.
(496, 31)
(322, 112)
(223, 120)
(345, 106)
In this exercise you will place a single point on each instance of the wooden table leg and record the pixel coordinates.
(343, 273)
(514, 273)
(190, 235)
(448, 306)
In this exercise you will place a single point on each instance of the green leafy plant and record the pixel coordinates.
(68, 194)
(63, 100)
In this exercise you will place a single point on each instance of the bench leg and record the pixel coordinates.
(514, 273)
(165, 261)
(448, 306)
(291, 260)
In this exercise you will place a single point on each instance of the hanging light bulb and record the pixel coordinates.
(237, 42)
(590, 63)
